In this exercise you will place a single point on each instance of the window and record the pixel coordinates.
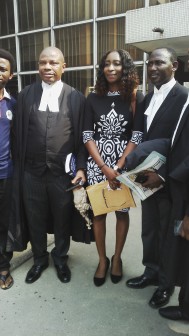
(111, 35)
(72, 11)
(9, 44)
(12, 87)
(33, 14)
(29, 79)
(31, 46)
(111, 7)
(81, 80)
(6, 17)
(76, 44)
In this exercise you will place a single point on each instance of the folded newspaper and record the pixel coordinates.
(153, 162)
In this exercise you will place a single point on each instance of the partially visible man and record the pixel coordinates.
(7, 111)
(49, 127)
(162, 109)
(177, 247)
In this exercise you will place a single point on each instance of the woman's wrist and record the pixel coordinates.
(102, 165)
(117, 169)
(121, 163)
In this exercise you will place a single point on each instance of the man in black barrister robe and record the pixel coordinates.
(49, 126)
(162, 110)
(176, 254)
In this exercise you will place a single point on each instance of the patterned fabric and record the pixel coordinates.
(108, 122)
(109, 129)
(136, 137)
(88, 135)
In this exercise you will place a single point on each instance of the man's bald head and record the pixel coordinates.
(52, 50)
(51, 65)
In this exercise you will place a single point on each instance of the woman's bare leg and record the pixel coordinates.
(122, 227)
(99, 226)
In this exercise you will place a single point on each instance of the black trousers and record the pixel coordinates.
(5, 196)
(184, 282)
(155, 222)
(45, 199)
(183, 251)
(176, 264)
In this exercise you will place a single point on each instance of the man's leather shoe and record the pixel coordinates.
(161, 297)
(141, 282)
(34, 273)
(63, 273)
(174, 313)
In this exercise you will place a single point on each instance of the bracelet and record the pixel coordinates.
(102, 166)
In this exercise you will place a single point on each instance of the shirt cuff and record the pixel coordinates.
(87, 136)
(162, 178)
(136, 137)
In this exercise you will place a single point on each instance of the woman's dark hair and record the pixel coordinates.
(9, 57)
(129, 80)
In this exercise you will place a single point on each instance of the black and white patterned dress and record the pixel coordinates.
(108, 122)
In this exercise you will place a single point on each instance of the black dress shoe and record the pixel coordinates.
(141, 282)
(34, 273)
(116, 278)
(63, 273)
(173, 313)
(161, 297)
(100, 281)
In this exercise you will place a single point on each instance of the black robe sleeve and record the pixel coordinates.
(77, 110)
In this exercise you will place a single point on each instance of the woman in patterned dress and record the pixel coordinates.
(109, 135)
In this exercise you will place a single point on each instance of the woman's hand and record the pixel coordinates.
(111, 176)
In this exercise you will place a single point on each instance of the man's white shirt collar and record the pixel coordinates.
(50, 96)
(6, 94)
(157, 99)
(165, 88)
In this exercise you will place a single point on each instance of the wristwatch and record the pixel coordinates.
(117, 169)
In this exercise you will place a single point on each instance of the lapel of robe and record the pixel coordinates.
(180, 127)
(37, 96)
(32, 101)
(64, 99)
(148, 99)
(164, 106)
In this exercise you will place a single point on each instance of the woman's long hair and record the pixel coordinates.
(129, 79)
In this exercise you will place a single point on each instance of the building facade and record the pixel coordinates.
(83, 29)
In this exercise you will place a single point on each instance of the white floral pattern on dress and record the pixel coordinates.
(111, 145)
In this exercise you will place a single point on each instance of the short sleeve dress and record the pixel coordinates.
(108, 122)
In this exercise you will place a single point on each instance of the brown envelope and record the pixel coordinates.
(103, 199)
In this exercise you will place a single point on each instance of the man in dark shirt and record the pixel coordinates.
(7, 108)
(49, 124)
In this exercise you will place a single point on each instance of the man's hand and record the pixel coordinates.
(154, 181)
(79, 175)
(185, 228)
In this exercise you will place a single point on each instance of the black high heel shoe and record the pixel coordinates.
(116, 278)
(100, 281)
